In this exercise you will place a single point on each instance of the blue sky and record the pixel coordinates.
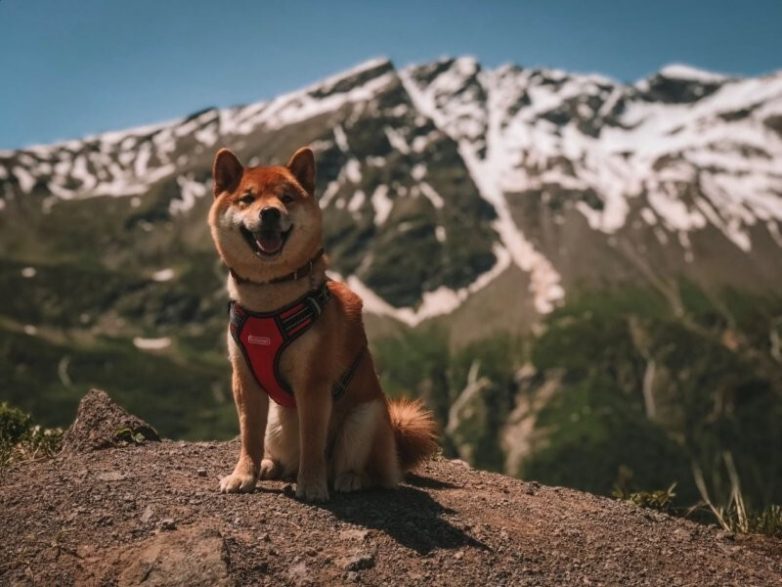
(81, 67)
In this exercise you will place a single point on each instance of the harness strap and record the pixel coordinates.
(341, 386)
(297, 318)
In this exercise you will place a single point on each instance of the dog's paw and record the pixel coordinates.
(270, 469)
(347, 482)
(237, 483)
(313, 490)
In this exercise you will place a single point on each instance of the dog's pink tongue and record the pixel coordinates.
(269, 242)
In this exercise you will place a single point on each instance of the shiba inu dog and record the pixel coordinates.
(298, 338)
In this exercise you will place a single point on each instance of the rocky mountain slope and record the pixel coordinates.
(562, 178)
(149, 514)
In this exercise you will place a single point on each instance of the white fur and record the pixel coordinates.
(353, 445)
(282, 443)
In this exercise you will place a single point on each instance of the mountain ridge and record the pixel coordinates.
(519, 135)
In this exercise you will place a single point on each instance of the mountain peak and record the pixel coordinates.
(361, 73)
(681, 71)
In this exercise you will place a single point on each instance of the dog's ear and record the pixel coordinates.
(302, 166)
(226, 171)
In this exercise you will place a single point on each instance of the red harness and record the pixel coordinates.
(263, 336)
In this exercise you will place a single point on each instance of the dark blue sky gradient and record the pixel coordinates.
(81, 67)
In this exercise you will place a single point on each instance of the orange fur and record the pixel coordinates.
(415, 431)
(358, 441)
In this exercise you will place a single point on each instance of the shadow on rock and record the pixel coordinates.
(428, 482)
(408, 515)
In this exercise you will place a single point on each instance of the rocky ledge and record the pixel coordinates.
(149, 513)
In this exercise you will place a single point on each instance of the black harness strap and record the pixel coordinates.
(341, 386)
(297, 317)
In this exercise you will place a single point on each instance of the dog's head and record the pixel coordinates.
(265, 221)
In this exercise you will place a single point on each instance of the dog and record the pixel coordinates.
(297, 337)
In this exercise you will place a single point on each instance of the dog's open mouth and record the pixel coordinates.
(266, 242)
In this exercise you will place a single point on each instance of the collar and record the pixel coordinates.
(302, 271)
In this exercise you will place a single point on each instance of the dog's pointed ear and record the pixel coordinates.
(226, 171)
(302, 166)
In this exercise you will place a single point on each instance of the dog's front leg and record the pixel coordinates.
(314, 408)
(252, 406)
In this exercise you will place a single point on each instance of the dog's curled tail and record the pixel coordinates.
(415, 431)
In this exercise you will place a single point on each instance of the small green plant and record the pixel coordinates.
(43, 442)
(21, 440)
(14, 424)
(130, 436)
(660, 499)
(768, 521)
(735, 516)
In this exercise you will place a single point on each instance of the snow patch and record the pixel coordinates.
(163, 275)
(396, 139)
(341, 139)
(382, 204)
(431, 195)
(328, 194)
(353, 171)
(434, 303)
(418, 172)
(152, 344)
(686, 72)
(357, 201)
(207, 136)
(25, 178)
(189, 191)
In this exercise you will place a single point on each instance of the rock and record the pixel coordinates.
(111, 476)
(147, 515)
(100, 423)
(353, 534)
(360, 562)
(168, 524)
(201, 472)
(194, 557)
(299, 574)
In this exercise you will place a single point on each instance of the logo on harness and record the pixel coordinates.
(259, 340)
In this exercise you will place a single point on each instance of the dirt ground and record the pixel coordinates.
(151, 515)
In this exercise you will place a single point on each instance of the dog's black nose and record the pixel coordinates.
(270, 215)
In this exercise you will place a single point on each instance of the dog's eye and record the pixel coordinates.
(287, 199)
(247, 199)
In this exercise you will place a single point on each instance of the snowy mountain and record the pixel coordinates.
(441, 180)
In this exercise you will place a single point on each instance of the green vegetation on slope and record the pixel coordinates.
(616, 392)
(643, 397)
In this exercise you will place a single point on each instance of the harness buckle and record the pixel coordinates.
(315, 305)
